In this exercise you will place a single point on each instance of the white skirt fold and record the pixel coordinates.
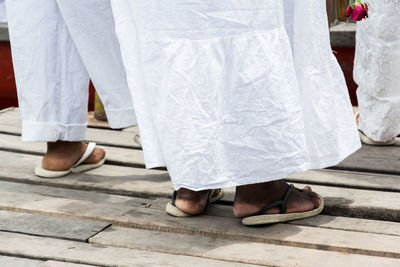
(234, 92)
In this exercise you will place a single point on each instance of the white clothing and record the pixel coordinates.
(3, 15)
(56, 46)
(234, 92)
(377, 71)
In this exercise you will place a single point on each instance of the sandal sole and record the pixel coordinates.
(279, 218)
(43, 173)
(174, 211)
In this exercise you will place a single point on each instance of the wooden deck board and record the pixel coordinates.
(7, 261)
(136, 213)
(349, 179)
(223, 249)
(83, 253)
(374, 159)
(40, 225)
(339, 201)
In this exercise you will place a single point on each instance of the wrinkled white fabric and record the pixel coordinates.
(56, 46)
(234, 92)
(377, 70)
(3, 15)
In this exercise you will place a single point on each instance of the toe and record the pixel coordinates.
(307, 189)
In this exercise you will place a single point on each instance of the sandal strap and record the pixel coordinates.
(89, 150)
(173, 198)
(281, 203)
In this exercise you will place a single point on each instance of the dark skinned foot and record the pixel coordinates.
(193, 202)
(61, 155)
(249, 199)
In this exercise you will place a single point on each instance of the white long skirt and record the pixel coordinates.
(56, 46)
(377, 70)
(234, 92)
(3, 15)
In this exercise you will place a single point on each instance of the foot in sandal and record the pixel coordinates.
(63, 158)
(368, 140)
(274, 202)
(187, 203)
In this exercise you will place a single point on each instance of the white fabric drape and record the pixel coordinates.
(377, 70)
(234, 92)
(3, 15)
(56, 46)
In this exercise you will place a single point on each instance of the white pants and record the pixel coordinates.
(234, 92)
(377, 70)
(56, 46)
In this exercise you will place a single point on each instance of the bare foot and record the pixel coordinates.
(249, 199)
(193, 202)
(61, 155)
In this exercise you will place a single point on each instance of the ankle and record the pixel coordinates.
(191, 202)
(64, 146)
(259, 193)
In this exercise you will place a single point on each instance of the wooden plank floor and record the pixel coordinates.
(114, 215)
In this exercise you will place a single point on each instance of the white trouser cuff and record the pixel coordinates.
(33, 131)
(121, 118)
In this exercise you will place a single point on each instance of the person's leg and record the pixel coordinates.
(239, 102)
(51, 81)
(92, 28)
(376, 67)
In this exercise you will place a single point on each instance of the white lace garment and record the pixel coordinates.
(377, 70)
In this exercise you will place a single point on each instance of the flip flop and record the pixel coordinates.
(78, 167)
(260, 218)
(173, 210)
(368, 140)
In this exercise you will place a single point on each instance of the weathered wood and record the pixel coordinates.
(368, 204)
(62, 264)
(10, 122)
(361, 180)
(4, 37)
(384, 159)
(108, 178)
(6, 261)
(223, 249)
(118, 156)
(131, 212)
(40, 225)
(136, 180)
(351, 224)
(322, 221)
(84, 253)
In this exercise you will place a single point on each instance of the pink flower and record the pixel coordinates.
(366, 9)
(349, 10)
(359, 12)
